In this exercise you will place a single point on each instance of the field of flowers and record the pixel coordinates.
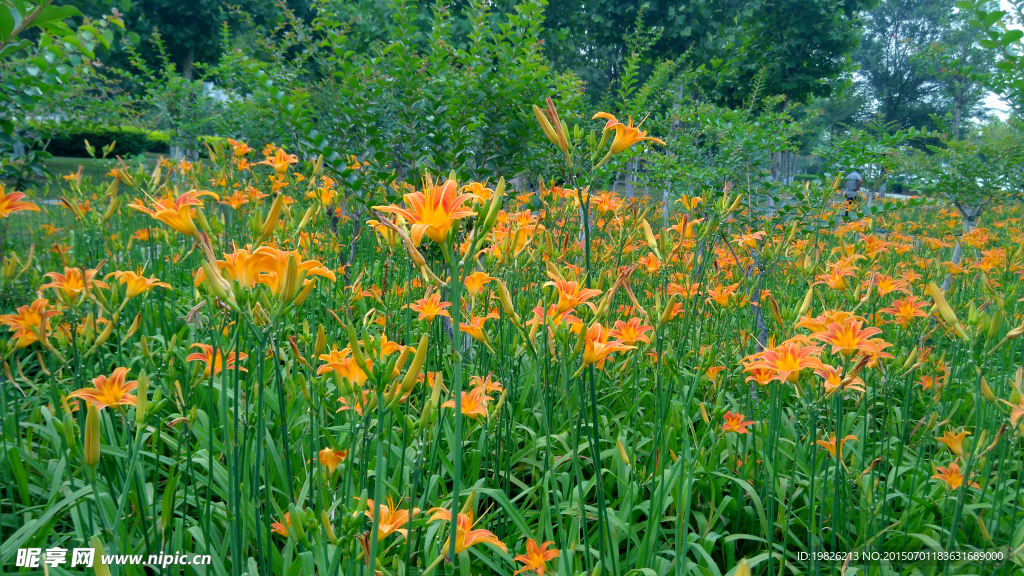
(232, 357)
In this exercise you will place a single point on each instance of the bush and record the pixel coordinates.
(69, 140)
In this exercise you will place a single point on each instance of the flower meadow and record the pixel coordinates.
(237, 356)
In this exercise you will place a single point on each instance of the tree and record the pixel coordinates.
(903, 63)
(800, 44)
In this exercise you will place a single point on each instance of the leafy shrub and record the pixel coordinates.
(69, 140)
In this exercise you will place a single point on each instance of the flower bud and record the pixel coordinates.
(92, 436)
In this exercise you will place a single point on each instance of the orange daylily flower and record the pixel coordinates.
(282, 528)
(475, 282)
(330, 459)
(830, 444)
(73, 282)
(570, 294)
(206, 356)
(597, 348)
(536, 558)
(487, 383)
(12, 202)
(905, 310)
(955, 442)
(432, 212)
(475, 328)
(952, 476)
(236, 200)
(475, 403)
(849, 337)
(631, 332)
(175, 213)
(787, 360)
(109, 390)
(136, 283)
(391, 519)
(430, 307)
(28, 322)
(280, 161)
(735, 423)
(341, 362)
(465, 536)
(626, 135)
(721, 294)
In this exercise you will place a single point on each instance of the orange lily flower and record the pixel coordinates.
(905, 310)
(430, 307)
(735, 423)
(787, 360)
(536, 558)
(432, 212)
(239, 148)
(236, 200)
(631, 332)
(487, 383)
(73, 282)
(137, 284)
(570, 294)
(206, 356)
(952, 476)
(341, 362)
(626, 135)
(955, 442)
(175, 213)
(280, 161)
(28, 322)
(465, 536)
(331, 459)
(721, 294)
(391, 519)
(475, 328)
(11, 203)
(597, 348)
(474, 403)
(480, 192)
(282, 528)
(109, 390)
(830, 444)
(849, 337)
(475, 282)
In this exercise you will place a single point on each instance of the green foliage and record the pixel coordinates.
(917, 59)
(69, 140)
(800, 43)
(977, 171)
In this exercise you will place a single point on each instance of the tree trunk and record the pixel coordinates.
(970, 220)
(187, 65)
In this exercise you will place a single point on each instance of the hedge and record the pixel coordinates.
(69, 140)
